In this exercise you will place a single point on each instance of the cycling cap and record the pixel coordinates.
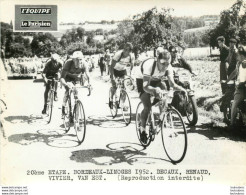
(55, 57)
(77, 54)
(159, 50)
(221, 38)
(232, 40)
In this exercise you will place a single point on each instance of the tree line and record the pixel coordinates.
(146, 30)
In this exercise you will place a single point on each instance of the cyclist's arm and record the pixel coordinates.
(173, 84)
(234, 73)
(87, 75)
(132, 63)
(146, 85)
(44, 72)
(64, 73)
(186, 65)
(112, 68)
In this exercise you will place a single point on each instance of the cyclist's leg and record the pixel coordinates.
(145, 98)
(47, 88)
(113, 88)
(122, 74)
(65, 98)
(238, 98)
(163, 86)
(55, 89)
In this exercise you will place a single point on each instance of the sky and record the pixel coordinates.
(97, 10)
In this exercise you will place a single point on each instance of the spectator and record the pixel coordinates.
(107, 59)
(101, 64)
(224, 51)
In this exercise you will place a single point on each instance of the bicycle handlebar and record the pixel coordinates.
(53, 79)
(80, 87)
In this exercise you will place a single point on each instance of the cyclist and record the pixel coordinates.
(120, 61)
(72, 73)
(150, 83)
(51, 70)
(179, 61)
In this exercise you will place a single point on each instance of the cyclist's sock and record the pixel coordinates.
(142, 129)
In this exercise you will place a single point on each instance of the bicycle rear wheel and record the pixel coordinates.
(67, 115)
(114, 108)
(50, 105)
(174, 135)
(138, 126)
(79, 121)
(125, 106)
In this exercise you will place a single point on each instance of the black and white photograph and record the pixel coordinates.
(111, 92)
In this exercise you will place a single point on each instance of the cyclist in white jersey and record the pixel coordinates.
(120, 61)
(150, 83)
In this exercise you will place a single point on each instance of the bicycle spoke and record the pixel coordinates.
(174, 136)
(125, 106)
(79, 122)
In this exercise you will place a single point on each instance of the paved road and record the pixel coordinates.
(29, 144)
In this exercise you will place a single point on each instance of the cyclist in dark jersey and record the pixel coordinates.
(51, 70)
(72, 72)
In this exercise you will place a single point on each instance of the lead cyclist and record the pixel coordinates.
(149, 83)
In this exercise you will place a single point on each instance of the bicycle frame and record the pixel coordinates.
(164, 102)
(52, 84)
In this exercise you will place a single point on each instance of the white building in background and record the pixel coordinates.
(211, 20)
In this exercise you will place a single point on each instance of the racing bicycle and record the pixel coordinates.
(74, 112)
(169, 121)
(50, 100)
(121, 98)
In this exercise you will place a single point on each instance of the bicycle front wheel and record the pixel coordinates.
(114, 107)
(50, 106)
(174, 135)
(79, 121)
(138, 126)
(125, 106)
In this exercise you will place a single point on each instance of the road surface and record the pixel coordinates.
(30, 144)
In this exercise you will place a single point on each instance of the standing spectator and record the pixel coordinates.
(3, 56)
(231, 59)
(93, 62)
(224, 51)
(239, 73)
(230, 64)
(101, 64)
(107, 59)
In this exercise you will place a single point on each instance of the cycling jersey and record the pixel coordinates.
(71, 73)
(149, 68)
(121, 63)
(51, 69)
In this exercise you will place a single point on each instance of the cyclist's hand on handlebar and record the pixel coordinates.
(158, 93)
(69, 85)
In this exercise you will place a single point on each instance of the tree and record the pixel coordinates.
(44, 44)
(90, 38)
(81, 32)
(231, 24)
